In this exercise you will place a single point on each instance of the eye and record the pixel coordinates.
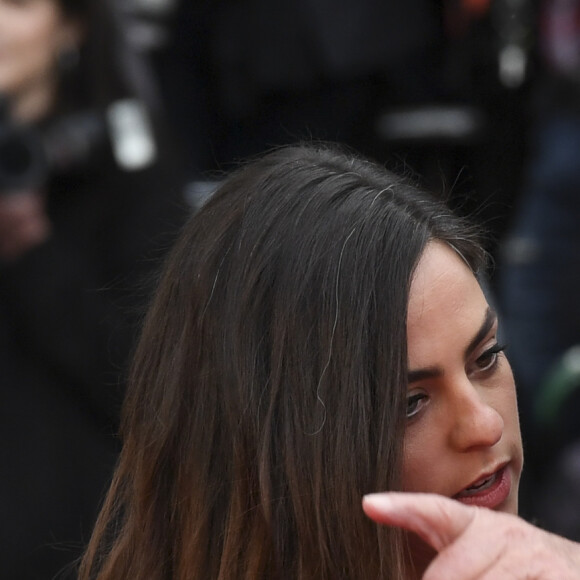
(489, 359)
(415, 402)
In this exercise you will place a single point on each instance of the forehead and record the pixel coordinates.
(445, 301)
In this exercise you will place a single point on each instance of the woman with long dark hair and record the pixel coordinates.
(285, 369)
(85, 213)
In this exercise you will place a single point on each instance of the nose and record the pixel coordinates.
(475, 423)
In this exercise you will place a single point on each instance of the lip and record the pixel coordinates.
(492, 495)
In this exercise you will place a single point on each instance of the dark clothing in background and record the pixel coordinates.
(261, 46)
(539, 274)
(261, 73)
(68, 315)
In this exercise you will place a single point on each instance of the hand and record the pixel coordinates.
(23, 223)
(476, 543)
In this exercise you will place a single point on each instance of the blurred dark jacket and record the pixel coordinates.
(69, 310)
(274, 45)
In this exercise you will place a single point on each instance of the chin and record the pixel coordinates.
(511, 505)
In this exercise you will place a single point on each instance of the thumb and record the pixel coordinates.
(437, 520)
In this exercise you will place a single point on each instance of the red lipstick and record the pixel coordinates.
(489, 491)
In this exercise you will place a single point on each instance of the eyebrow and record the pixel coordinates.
(433, 372)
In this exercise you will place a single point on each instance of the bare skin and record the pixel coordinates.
(475, 543)
(462, 438)
(462, 410)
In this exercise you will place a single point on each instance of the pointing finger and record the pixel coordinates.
(438, 520)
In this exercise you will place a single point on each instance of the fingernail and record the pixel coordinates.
(378, 500)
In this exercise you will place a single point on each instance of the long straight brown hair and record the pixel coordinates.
(268, 389)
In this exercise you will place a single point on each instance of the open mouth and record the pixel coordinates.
(490, 491)
(480, 485)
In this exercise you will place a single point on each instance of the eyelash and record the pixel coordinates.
(414, 400)
(491, 353)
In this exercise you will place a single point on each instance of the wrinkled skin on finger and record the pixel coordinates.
(476, 543)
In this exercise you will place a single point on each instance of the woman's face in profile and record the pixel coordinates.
(462, 437)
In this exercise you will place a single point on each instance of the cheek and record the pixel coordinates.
(33, 42)
(504, 398)
(34, 62)
(422, 447)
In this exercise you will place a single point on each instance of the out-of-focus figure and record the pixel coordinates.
(540, 274)
(90, 197)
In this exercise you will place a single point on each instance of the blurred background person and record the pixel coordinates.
(539, 278)
(90, 196)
